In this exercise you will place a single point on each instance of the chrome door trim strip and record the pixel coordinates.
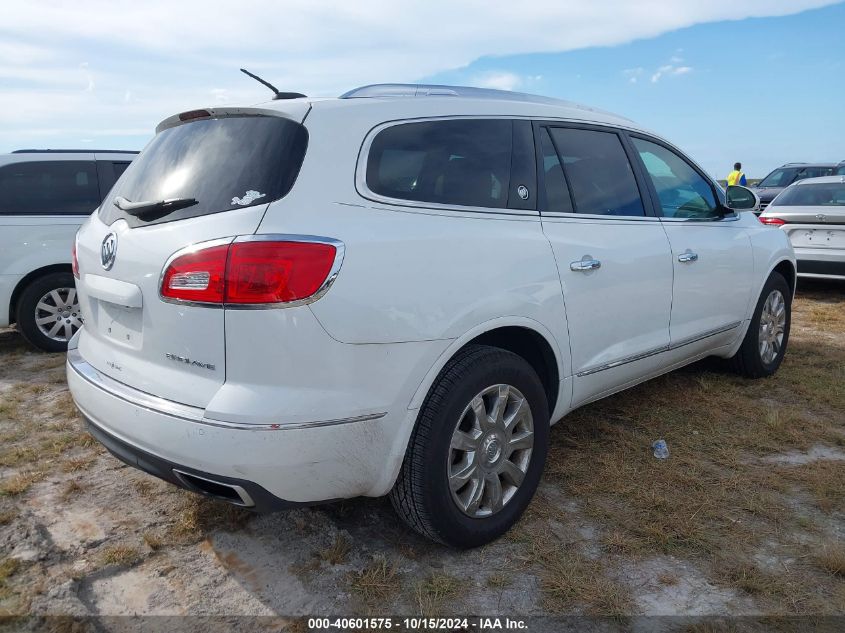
(659, 350)
(704, 335)
(162, 406)
(623, 361)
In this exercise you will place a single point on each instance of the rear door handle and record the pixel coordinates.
(584, 264)
(688, 256)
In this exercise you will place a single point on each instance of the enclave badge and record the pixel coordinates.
(108, 251)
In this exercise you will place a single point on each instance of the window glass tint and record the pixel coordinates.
(780, 177)
(119, 168)
(840, 171)
(598, 172)
(459, 162)
(44, 187)
(814, 172)
(557, 193)
(226, 163)
(682, 191)
(826, 194)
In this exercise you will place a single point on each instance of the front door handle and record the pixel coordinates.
(688, 256)
(584, 264)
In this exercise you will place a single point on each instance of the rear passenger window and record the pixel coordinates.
(456, 162)
(49, 187)
(598, 172)
(557, 193)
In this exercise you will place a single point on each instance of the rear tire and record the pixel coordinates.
(477, 453)
(49, 304)
(764, 345)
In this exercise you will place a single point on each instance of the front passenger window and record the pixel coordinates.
(682, 191)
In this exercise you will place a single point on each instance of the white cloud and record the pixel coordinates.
(670, 70)
(498, 80)
(174, 57)
(633, 74)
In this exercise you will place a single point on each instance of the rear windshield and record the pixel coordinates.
(828, 194)
(226, 163)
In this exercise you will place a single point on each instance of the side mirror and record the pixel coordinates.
(741, 199)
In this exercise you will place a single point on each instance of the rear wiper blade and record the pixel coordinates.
(153, 206)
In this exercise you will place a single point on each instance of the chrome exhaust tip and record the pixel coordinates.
(235, 495)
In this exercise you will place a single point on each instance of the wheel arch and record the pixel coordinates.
(28, 279)
(522, 336)
(787, 269)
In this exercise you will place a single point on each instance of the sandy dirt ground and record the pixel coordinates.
(747, 515)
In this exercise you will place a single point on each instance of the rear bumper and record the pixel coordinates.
(237, 491)
(820, 262)
(275, 466)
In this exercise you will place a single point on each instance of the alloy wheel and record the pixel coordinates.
(772, 327)
(57, 314)
(490, 450)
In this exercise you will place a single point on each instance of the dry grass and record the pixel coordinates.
(498, 580)
(376, 582)
(831, 558)
(76, 464)
(20, 483)
(153, 540)
(435, 592)
(121, 555)
(572, 581)
(199, 515)
(72, 488)
(338, 552)
(714, 497)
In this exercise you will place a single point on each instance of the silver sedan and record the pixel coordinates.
(812, 212)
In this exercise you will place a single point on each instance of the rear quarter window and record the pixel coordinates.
(224, 163)
(463, 162)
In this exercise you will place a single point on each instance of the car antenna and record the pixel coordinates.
(277, 93)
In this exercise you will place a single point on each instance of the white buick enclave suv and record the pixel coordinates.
(397, 291)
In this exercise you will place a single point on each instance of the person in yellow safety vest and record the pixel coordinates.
(736, 177)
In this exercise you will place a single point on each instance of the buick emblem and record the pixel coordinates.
(821, 217)
(522, 192)
(108, 251)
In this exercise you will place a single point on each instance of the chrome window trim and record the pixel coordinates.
(733, 217)
(340, 252)
(596, 216)
(155, 404)
(659, 350)
(368, 194)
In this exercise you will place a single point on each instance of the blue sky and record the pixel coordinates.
(763, 91)
(759, 81)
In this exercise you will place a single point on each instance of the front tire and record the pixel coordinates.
(48, 313)
(477, 453)
(764, 345)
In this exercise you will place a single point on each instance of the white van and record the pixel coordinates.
(44, 196)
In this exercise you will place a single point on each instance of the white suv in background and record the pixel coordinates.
(44, 196)
(398, 291)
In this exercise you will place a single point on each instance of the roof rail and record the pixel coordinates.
(437, 90)
(74, 151)
(798, 163)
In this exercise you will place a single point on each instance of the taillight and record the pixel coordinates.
(772, 221)
(74, 261)
(250, 273)
(197, 276)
